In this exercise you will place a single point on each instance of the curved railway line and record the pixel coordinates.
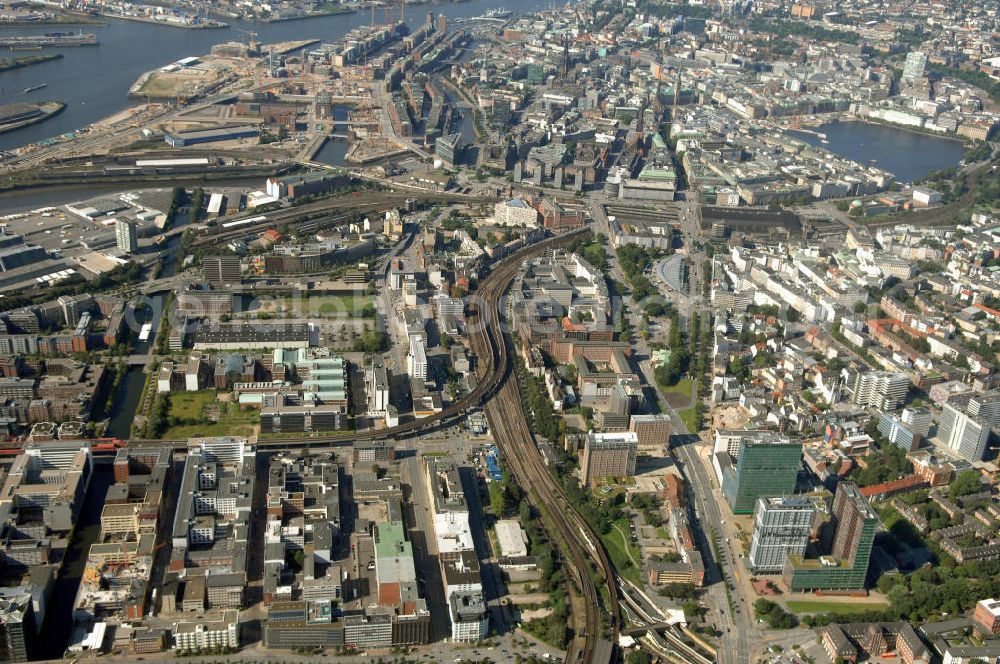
(486, 342)
(515, 439)
(497, 389)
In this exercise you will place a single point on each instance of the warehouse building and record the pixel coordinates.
(184, 138)
(241, 336)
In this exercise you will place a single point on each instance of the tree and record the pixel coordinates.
(775, 616)
(373, 341)
(691, 608)
(638, 657)
(966, 483)
(685, 591)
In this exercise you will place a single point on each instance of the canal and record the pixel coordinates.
(130, 391)
(909, 155)
(59, 613)
(334, 150)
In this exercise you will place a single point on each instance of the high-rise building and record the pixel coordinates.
(918, 420)
(448, 148)
(442, 23)
(781, 527)
(846, 568)
(18, 633)
(377, 377)
(916, 63)
(416, 359)
(430, 20)
(965, 434)
(651, 430)
(25, 320)
(855, 523)
(221, 270)
(884, 390)
(986, 406)
(897, 432)
(608, 455)
(127, 235)
(73, 307)
(763, 467)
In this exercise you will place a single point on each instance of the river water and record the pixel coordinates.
(94, 80)
(909, 155)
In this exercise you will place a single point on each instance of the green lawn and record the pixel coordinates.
(684, 387)
(687, 414)
(330, 305)
(188, 417)
(809, 606)
(190, 405)
(619, 545)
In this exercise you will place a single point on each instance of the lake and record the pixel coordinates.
(908, 155)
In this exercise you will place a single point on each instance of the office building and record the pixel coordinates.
(442, 25)
(883, 390)
(852, 642)
(781, 527)
(897, 433)
(918, 420)
(470, 621)
(846, 567)
(765, 465)
(448, 148)
(916, 63)
(221, 270)
(214, 506)
(208, 635)
(651, 430)
(73, 307)
(127, 235)
(377, 379)
(515, 212)
(52, 479)
(986, 407)
(608, 455)
(452, 531)
(18, 633)
(416, 359)
(964, 434)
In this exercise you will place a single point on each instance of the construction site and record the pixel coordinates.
(291, 97)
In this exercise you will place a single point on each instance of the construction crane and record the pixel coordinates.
(252, 45)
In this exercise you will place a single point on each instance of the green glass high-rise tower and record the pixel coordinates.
(764, 467)
(846, 568)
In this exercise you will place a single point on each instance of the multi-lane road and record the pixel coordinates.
(740, 635)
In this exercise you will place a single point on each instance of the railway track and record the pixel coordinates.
(492, 360)
(512, 434)
(385, 200)
(499, 392)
